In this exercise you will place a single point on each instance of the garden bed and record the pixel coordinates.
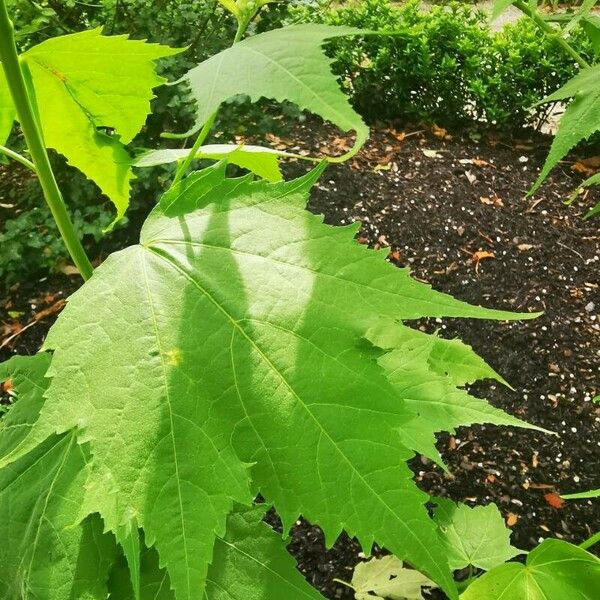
(455, 211)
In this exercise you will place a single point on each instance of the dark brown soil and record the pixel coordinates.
(438, 213)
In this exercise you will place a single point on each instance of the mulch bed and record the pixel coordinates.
(455, 211)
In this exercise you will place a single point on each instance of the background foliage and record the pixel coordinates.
(444, 66)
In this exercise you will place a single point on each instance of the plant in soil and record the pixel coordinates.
(241, 349)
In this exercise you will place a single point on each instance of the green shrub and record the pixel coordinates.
(444, 64)
(523, 68)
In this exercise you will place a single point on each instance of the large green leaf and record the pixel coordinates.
(283, 64)
(474, 536)
(227, 347)
(45, 554)
(7, 109)
(85, 82)
(580, 120)
(555, 570)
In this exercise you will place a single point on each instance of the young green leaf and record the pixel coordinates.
(93, 95)
(475, 536)
(593, 180)
(225, 347)
(7, 109)
(284, 64)
(387, 578)
(580, 120)
(582, 495)
(554, 570)
(259, 160)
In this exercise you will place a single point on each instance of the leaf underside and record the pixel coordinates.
(283, 64)
(226, 355)
(387, 578)
(259, 160)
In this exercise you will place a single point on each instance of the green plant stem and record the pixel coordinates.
(241, 29)
(342, 582)
(16, 156)
(590, 541)
(37, 149)
(463, 585)
(551, 32)
(185, 165)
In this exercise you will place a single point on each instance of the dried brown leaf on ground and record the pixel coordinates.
(511, 519)
(554, 500)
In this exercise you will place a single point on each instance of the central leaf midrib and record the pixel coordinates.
(170, 260)
(172, 430)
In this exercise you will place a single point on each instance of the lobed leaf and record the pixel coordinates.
(45, 553)
(283, 64)
(424, 371)
(554, 569)
(225, 352)
(251, 562)
(85, 82)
